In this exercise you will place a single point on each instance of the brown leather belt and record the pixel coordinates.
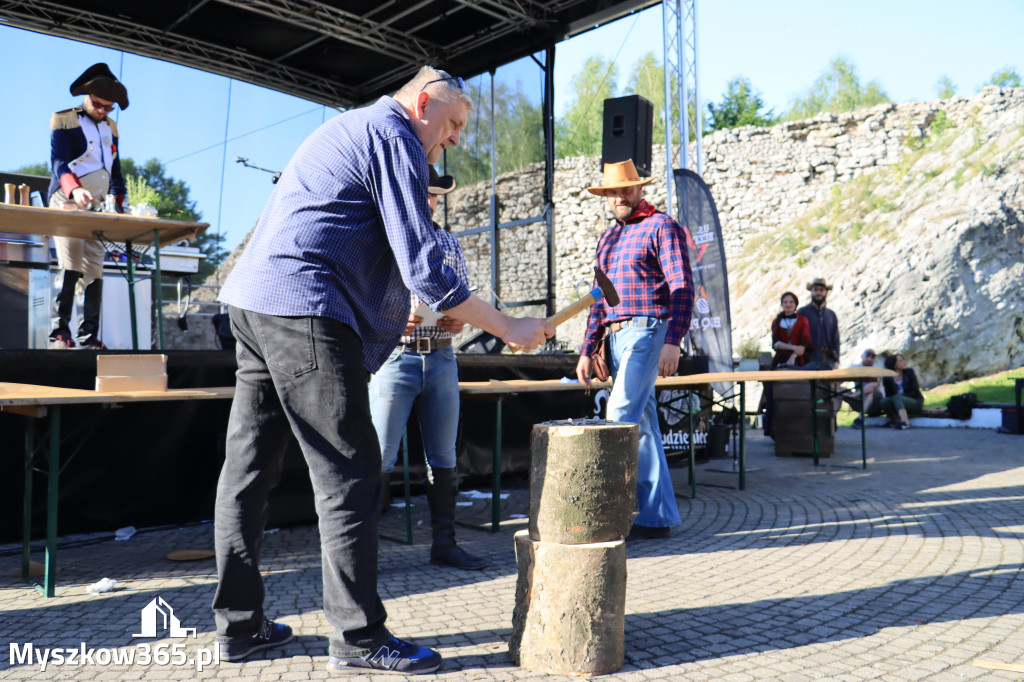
(639, 321)
(426, 345)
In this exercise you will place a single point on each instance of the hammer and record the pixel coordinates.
(605, 289)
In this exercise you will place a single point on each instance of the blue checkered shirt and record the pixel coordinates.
(347, 233)
(456, 260)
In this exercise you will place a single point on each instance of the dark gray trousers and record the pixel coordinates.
(301, 377)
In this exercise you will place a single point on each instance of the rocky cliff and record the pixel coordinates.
(914, 211)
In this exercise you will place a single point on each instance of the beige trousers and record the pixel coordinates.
(82, 255)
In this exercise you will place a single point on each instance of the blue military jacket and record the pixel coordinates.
(79, 145)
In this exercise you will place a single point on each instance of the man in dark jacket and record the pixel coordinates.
(86, 167)
(824, 325)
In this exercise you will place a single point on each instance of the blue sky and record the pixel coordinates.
(182, 116)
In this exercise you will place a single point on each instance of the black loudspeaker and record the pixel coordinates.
(628, 131)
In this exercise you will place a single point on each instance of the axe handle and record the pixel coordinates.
(576, 308)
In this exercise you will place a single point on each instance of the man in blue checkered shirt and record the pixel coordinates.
(423, 365)
(645, 255)
(317, 301)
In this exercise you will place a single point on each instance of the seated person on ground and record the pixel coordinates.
(872, 389)
(902, 393)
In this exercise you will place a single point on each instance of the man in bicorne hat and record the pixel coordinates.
(423, 365)
(824, 325)
(86, 167)
(645, 255)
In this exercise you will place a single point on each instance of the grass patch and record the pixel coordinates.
(995, 388)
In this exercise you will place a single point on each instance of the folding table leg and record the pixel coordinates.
(26, 518)
(496, 489)
(814, 419)
(49, 587)
(693, 450)
(743, 435)
(131, 294)
(863, 437)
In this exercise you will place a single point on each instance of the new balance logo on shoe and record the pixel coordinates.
(385, 658)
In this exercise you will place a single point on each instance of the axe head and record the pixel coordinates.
(606, 287)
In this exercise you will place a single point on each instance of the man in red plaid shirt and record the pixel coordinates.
(644, 254)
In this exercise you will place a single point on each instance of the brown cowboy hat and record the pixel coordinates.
(440, 184)
(819, 282)
(100, 81)
(617, 175)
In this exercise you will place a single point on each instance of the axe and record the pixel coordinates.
(605, 289)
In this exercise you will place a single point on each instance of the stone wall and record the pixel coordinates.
(914, 210)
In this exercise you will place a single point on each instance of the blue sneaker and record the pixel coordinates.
(270, 634)
(394, 656)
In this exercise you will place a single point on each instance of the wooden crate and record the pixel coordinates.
(791, 419)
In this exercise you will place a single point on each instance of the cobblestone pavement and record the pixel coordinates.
(909, 570)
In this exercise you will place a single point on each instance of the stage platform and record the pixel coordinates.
(155, 464)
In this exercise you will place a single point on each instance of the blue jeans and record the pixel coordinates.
(634, 366)
(302, 378)
(407, 374)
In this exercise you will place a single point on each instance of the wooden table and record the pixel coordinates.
(105, 227)
(500, 389)
(37, 402)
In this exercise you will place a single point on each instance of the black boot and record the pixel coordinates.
(60, 334)
(385, 493)
(89, 329)
(441, 498)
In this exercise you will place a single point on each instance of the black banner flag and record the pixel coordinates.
(710, 328)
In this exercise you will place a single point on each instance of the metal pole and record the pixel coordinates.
(669, 156)
(699, 114)
(549, 172)
(159, 292)
(495, 282)
(131, 293)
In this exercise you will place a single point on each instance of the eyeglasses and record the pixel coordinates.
(99, 105)
(458, 81)
(869, 355)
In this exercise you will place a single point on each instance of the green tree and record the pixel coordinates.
(741, 106)
(34, 169)
(945, 87)
(176, 204)
(1006, 77)
(578, 133)
(518, 134)
(837, 89)
(647, 79)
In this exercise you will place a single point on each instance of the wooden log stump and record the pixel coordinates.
(569, 616)
(582, 481)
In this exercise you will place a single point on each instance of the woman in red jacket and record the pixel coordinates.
(791, 334)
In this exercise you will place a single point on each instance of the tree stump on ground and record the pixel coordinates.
(582, 481)
(569, 616)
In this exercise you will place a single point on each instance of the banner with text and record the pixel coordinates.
(710, 328)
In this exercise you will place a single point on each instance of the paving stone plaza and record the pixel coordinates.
(909, 570)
